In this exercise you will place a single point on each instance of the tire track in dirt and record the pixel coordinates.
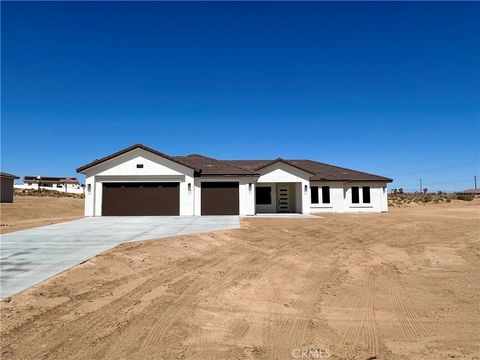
(290, 331)
(99, 319)
(254, 265)
(363, 329)
(253, 262)
(405, 311)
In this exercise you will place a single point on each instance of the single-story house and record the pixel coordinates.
(6, 187)
(56, 183)
(53, 182)
(139, 180)
(473, 192)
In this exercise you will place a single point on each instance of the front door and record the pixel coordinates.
(283, 198)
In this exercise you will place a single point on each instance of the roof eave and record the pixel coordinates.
(81, 169)
(220, 174)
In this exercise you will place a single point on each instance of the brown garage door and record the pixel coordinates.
(220, 198)
(140, 199)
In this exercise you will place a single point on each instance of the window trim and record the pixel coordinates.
(320, 204)
(357, 188)
(361, 204)
(327, 188)
(256, 197)
(369, 194)
(313, 191)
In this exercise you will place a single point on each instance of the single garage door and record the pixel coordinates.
(140, 199)
(220, 198)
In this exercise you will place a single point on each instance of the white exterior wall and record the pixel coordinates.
(159, 169)
(385, 198)
(124, 169)
(246, 195)
(377, 198)
(341, 197)
(336, 197)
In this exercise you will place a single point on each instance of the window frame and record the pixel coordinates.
(369, 194)
(326, 189)
(270, 195)
(314, 192)
(357, 188)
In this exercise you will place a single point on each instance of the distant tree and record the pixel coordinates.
(440, 193)
(425, 190)
(400, 191)
(394, 191)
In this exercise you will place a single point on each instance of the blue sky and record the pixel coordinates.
(388, 88)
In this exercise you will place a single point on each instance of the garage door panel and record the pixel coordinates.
(220, 198)
(140, 199)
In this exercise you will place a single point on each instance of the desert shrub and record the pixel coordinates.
(46, 193)
(464, 197)
(400, 199)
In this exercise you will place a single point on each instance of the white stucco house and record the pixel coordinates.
(56, 183)
(139, 180)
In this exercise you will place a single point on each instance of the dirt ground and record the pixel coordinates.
(31, 211)
(402, 285)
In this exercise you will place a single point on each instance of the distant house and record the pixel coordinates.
(474, 192)
(143, 181)
(6, 182)
(57, 183)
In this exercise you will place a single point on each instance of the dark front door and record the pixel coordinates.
(220, 198)
(140, 199)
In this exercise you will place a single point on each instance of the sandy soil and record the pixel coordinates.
(31, 211)
(403, 285)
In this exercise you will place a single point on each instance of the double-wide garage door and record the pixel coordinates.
(220, 198)
(163, 198)
(140, 199)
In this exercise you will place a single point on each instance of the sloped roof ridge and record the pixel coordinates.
(286, 162)
(131, 148)
(223, 162)
(341, 167)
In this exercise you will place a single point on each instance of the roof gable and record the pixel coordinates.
(280, 160)
(283, 172)
(205, 165)
(96, 162)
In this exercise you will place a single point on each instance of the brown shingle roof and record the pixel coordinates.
(205, 165)
(472, 191)
(8, 176)
(211, 166)
(319, 170)
(52, 179)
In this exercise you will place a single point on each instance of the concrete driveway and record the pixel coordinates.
(31, 256)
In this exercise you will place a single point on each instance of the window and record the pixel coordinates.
(326, 194)
(355, 195)
(139, 166)
(263, 195)
(314, 194)
(366, 194)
